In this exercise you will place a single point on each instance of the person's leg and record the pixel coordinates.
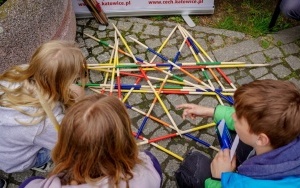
(3, 183)
(43, 157)
(193, 171)
(291, 8)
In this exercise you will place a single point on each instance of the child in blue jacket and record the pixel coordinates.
(266, 116)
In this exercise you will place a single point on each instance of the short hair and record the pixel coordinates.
(95, 141)
(271, 107)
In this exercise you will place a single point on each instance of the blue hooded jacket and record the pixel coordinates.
(277, 168)
(276, 164)
(234, 180)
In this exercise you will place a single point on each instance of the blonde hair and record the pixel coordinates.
(54, 66)
(95, 141)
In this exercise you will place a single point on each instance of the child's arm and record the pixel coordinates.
(224, 112)
(221, 163)
(212, 183)
(218, 113)
(193, 110)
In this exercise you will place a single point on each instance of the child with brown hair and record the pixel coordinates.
(96, 148)
(266, 116)
(27, 132)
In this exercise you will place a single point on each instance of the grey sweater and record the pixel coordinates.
(19, 144)
(144, 176)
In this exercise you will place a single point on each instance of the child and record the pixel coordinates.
(96, 148)
(266, 118)
(27, 134)
(3, 183)
(291, 9)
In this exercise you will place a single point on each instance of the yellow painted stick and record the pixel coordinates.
(186, 131)
(148, 81)
(203, 51)
(150, 91)
(164, 43)
(163, 149)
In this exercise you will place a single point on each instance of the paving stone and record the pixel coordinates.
(280, 71)
(273, 53)
(288, 35)
(269, 76)
(244, 80)
(153, 43)
(258, 72)
(137, 28)
(237, 50)
(215, 41)
(152, 30)
(124, 26)
(293, 61)
(291, 48)
(257, 58)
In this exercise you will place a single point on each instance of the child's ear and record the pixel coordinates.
(262, 140)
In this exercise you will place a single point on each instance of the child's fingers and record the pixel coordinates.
(226, 153)
(182, 106)
(73, 182)
(185, 113)
(233, 162)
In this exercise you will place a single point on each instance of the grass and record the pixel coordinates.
(2, 1)
(247, 16)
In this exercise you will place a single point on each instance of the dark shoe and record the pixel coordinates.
(3, 183)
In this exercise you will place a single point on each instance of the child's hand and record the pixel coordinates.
(222, 163)
(77, 91)
(73, 182)
(193, 110)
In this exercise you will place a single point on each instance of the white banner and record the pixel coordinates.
(116, 8)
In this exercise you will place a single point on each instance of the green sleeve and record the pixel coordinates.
(210, 183)
(224, 112)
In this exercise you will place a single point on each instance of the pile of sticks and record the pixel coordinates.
(96, 11)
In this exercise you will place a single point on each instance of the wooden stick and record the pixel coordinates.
(172, 63)
(162, 148)
(148, 81)
(113, 72)
(118, 69)
(155, 99)
(166, 66)
(219, 70)
(184, 133)
(164, 43)
(169, 91)
(202, 69)
(96, 10)
(145, 62)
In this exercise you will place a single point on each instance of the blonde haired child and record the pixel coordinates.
(96, 148)
(27, 134)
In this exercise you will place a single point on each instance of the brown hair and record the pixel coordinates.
(53, 67)
(271, 107)
(95, 141)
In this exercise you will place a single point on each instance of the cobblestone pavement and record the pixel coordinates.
(280, 50)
